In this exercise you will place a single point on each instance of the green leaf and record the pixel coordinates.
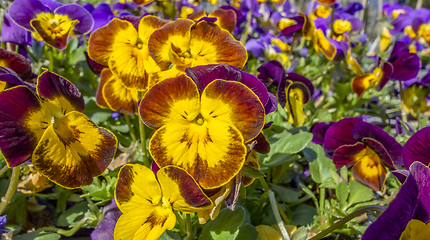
(286, 194)
(247, 232)
(300, 234)
(359, 193)
(342, 90)
(252, 172)
(279, 159)
(322, 115)
(321, 167)
(295, 143)
(225, 226)
(72, 215)
(303, 214)
(169, 235)
(344, 173)
(38, 236)
(342, 192)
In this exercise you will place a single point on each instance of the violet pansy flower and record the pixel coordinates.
(52, 21)
(365, 148)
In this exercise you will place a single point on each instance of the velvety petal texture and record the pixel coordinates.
(16, 62)
(417, 148)
(11, 32)
(340, 134)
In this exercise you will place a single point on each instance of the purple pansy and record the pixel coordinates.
(10, 32)
(105, 229)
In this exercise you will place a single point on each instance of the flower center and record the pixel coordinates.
(200, 120)
(139, 43)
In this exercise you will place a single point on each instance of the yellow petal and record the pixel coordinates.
(117, 96)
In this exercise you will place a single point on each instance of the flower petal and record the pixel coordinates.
(361, 83)
(105, 76)
(76, 12)
(348, 155)
(210, 44)
(318, 130)
(387, 71)
(370, 172)
(175, 99)
(23, 119)
(147, 25)
(181, 190)
(417, 148)
(421, 174)
(203, 75)
(23, 11)
(322, 44)
(271, 71)
(59, 94)
(161, 40)
(11, 32)
(406, 66)
(16, 62)
(262, 146)
(213, 153)
(117, 96)
(380, 141)
(226, 18)
(73, 150)
(340, 134)
(233, 103)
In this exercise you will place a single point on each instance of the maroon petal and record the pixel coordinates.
(270, 72)
(417, 148)
(299, 78)
(51, 86)
(346, 155)
(401, 175)
(339, 134)
(421, 174)
(388, 149)
(94, 66)
(203, 75)
(271, 105)
(17, 142)
(319, 130)
(387, 71)
(16, 62)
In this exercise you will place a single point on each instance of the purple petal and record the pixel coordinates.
(356, 24)
(417, 148)
(23, 11)
(353, 7)
(10, 32)
(406, 66)
(17, 142)
(399, 47)
(271, 105)
(52, 4)
(401, 175)
(319, 130)
(393, 221)
(12, 78)
(88, 6)
(105, 229)
(339, 134)
(270, 72)
(17, 63)
(51, 85)
(387, 71)
(293, 28)
(299, 78)
(101, 15)
(76, 12)
(380, 141)
(346, 154)
(421, 174)
(255, 46)
(203, 75)
(94, 66)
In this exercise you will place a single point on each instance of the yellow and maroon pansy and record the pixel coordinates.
(365, 148)
(16, 62)
(53, 26)
(188, 44)
(111, 93)
(50, 128)
(202, 132)
(147, 200)
(124, 49)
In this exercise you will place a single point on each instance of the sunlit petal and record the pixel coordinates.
(117, 96)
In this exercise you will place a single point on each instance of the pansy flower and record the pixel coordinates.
(10, 32)
(188, 44)
(111, 93)
(297, 24)
(421, 24)
(53, 25)
(224, 18)
(147, 200)
(416, 95)
(407, 216)
(365, 148)
(124, 48)
(401, 65)
(344, 23)
(50, 129)
(293, 90)
(16, 62)
(203, 121)
(416, 148)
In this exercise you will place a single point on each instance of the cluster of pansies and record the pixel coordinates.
(327, 105)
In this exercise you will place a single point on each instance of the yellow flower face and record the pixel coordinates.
(203, 133)
(125, 50)
(416, 230)
(186, 44)
(341, 26)
(322, 44)
(53, 28)
(147, 200)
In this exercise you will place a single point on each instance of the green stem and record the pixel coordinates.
(276, 209)
(30, 53)
(130, 127)
(143, 141)
(348, 218)
(4, 170)
(332, 20)
(301, 200)
(402, 103)
(11, 189)
(64, 232)
(180, 221)
(245, 33)
(190, 232)
(322, 200)
(51, 59)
